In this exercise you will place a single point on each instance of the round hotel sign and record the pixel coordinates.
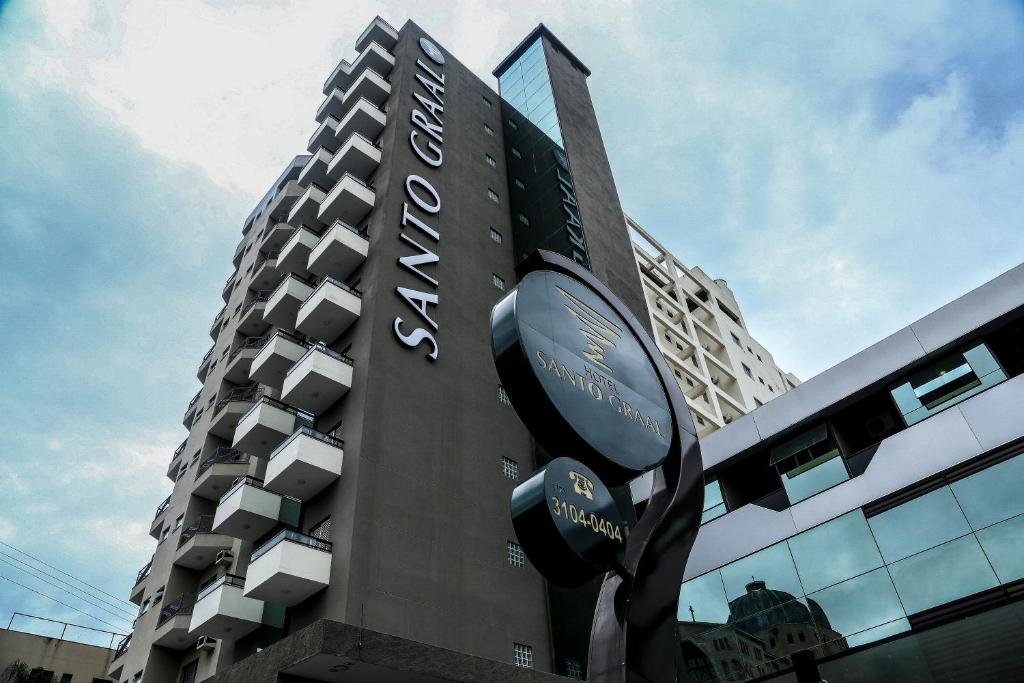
(578, 377)
(431, 50)
(568, 522)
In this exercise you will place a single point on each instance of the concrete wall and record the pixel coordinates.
(83, 662)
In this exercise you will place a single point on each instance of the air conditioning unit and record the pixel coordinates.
(728, 419)
(715, 381)
(206, 644)
(224, 558)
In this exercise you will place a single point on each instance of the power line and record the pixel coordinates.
(84, 599)
(80, 593)
(59, 602)
(66, 574)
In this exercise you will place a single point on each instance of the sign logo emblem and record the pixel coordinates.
(597, 330)
(582, 485)
(432, 51)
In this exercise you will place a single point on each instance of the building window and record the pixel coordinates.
(524, 220)
(137, 678)
(495, 236)
(947, 382)
(503, 396)
(322, 530)
(516, 556)
(512, 124)
(520, 184)
(498, 281)
(573, 669)
(493, 196)
(166, 531)
(761, 380)
(809, 463)
(757, 403)
(746, 371)
(705, 397)
(487, 102)
(488, 130)
(510, 468)
(158, 595)
(144, 607)
(735, 339)
(714, 503)
(522, 655)
(759, 358)
(491, 161)
(178, 521)
(516, 153)
(700, 420)
(188, 673)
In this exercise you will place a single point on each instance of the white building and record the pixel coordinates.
(722, 369)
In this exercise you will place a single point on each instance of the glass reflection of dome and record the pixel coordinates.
(761, 608)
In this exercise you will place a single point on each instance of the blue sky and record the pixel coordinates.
(847, 168)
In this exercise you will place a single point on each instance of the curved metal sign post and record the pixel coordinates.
(592, 387)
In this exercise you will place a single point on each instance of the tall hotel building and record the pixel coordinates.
(350, 455)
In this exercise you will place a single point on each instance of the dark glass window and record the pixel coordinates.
(947, 572)
(919, 524)
(835, 551)
(992, 495)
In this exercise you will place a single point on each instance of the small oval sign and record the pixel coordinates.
(578, 377)
(568, 523)
(431, 50)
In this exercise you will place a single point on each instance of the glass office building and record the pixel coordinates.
(543, 196)
(873, 516)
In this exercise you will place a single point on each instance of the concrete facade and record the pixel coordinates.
(83, 663)
(407, 532)
(722, 369)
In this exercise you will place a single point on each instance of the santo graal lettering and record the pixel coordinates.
(421, 207)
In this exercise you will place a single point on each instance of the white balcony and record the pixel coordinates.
(349, 201)
(247, 511)
(378, 31)
(315, 170)
(159, 518)
(358, 156)
(222, 611)
(305, 464)
(173, 623)
(266, 425)
(218, 471)
(229, 409)
(329, 311)
(284, 301)
(332, 106)
(289, 568)
(307, 207)
(250, 318)
(276, 356)
(278, 233)
(198, 545)
(373, 56)
(317, 380)
(237, 369)
(363, 117)
(324, 136)
(268, 270)
(283, 200)
(339, 252)
(295, 253)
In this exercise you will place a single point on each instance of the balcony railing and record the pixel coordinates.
(203, 524)
(300, 415)
(247, 480)
(249, 343)
(322, 348)
(143, 573)
(292, 536)
(162, 507)
(226, 580)
(311, 433)
(181, 605)
(220, 315)
(179, 450)
(223, 454)
(263, 258)
(260, 297)
(284, 282)
(365, 184)
(122, 647)
(348, 288)
(195, 399)
(243, 394)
